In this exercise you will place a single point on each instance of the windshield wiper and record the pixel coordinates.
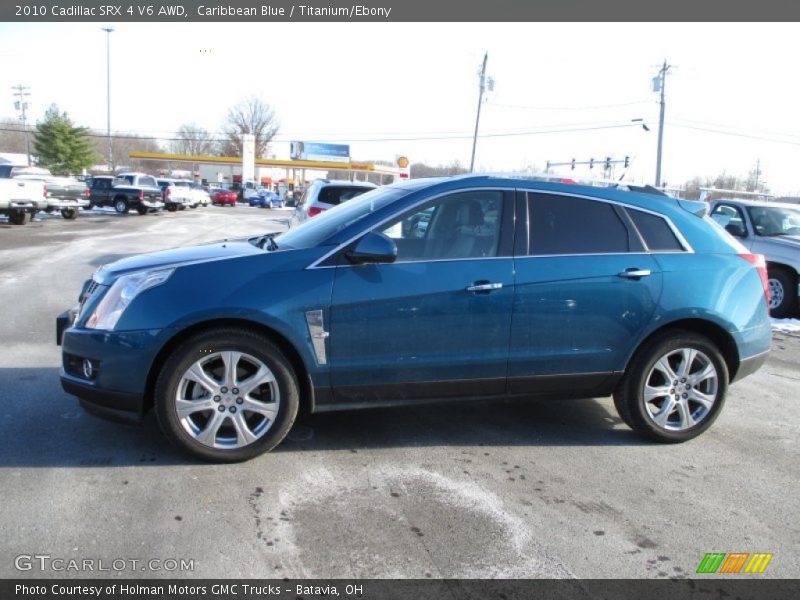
(268, 240)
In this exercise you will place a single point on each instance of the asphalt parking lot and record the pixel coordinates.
(482, 489)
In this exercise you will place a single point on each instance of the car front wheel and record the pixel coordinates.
(227, 395)
(674, 387)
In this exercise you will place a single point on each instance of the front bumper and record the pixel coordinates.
(115, 388)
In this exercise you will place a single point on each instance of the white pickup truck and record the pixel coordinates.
(20, 199)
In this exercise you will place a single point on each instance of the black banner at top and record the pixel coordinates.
(397, 10)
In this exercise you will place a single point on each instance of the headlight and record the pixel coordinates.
(121, 294)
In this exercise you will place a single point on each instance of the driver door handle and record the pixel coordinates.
(480, 286)
(635, 273)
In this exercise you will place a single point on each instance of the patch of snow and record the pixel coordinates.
(786, 326)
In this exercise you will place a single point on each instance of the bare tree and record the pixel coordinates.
(249, 116)
(12, 136)
(122, 145)
(193, 140)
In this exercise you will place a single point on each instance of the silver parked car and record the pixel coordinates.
(771, 229)
(322, 194)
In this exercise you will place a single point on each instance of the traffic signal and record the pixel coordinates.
(591, 163)
(608, 163)
(573, 164)
(627, 161)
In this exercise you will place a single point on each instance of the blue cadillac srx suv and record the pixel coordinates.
(474, 286)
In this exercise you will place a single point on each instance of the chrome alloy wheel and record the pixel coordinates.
(680, 390)
(775, 293)
(227, 399)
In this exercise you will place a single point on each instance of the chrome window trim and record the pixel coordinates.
(412, 207)
(688, 249)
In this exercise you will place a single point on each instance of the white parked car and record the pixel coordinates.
(323, 194)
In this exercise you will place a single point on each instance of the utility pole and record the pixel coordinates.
(482, 75)
(758, 172)
(22, 92)
(108, 31)
(659, 84)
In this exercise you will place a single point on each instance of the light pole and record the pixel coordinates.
(485, 82)
(108, 31)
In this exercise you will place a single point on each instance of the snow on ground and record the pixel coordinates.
(786, 326)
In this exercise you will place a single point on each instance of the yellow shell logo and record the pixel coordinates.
(402, 162)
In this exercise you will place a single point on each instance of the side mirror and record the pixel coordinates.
(373, 248)
(736, 230)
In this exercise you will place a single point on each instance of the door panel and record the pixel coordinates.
(397, 327)
(575, 314)
(413, 329)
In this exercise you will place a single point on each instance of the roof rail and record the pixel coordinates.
(705, 191)
(536, 176)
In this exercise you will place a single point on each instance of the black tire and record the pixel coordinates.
(172, 207)
(218, 340)
(19, 217)
(786, 283)
(69, 213)
(121, 206)
(181, 207)
(142, 210)
(629, 395)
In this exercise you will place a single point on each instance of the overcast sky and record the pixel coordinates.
(732, 98)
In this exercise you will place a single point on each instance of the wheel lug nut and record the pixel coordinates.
(224, 390)
(686, 395)
(221, 408)
(217, 398)
(232, 409)
(672, 391)
(683, 379)
(239, 400)
(235, 391)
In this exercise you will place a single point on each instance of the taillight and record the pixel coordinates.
(86, 192)
(141, 195)
(44, 191)
(313, 211)
(761, 265)
(168, 192)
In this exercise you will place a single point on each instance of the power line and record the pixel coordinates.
(565, 108)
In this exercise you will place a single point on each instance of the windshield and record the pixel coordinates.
(316, 230)
(773, 220)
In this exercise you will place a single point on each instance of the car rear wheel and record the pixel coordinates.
(69, 213)
(227, 395)
(674, 387)
(121, 206)
(782, 293)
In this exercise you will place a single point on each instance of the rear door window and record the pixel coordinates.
(562, 225)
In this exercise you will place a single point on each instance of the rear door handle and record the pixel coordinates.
(480, 286)
(635, 273)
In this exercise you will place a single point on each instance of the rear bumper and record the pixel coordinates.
(749, 365)
(60, 203)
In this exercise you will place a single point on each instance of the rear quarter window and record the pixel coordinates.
(655, 231)
(336, 195)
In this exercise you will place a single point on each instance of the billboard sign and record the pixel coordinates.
(320, 151)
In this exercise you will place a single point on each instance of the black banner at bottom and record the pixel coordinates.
(710, 588)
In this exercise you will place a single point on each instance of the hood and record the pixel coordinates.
(793, 241)
(164, 259)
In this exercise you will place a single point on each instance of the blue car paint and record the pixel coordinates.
(395, 324)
